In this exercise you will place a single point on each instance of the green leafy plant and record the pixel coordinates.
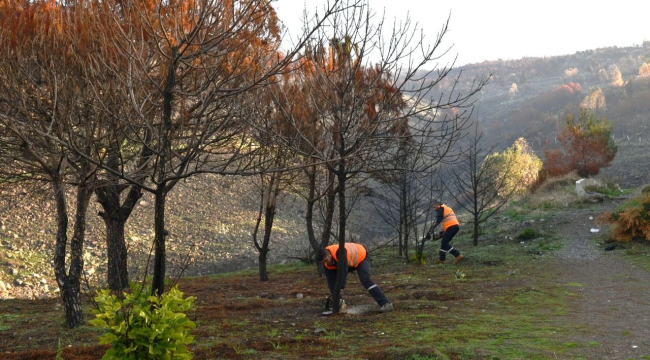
(145, 327)
(419, 259)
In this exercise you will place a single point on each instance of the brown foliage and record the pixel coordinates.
(586, 146)
(631, 223)
(556, 99)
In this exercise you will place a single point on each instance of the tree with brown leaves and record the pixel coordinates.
(47, 101)
(365, 103)
(586, 146)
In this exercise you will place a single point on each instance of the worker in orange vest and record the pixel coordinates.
(359, 260)
(450, 227)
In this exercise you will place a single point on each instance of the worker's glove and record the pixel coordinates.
(427, 237)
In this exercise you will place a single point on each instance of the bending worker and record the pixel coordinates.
(359, 260)
(450, 227)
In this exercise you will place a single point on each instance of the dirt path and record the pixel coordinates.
(612, 309)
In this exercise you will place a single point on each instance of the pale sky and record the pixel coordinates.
(509, 29)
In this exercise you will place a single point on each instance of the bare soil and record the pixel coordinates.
(611, 308)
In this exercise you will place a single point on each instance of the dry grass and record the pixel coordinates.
(645, 189)
(558, 182)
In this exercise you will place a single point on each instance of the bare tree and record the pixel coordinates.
(366, 107)
(478, 183)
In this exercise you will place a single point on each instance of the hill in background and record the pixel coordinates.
(530, 98)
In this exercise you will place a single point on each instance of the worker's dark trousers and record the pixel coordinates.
(446, 247)
(364, 277)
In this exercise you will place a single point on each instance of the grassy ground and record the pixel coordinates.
(501, 302)
(493, 305)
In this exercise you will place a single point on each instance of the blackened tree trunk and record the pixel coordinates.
(311, 201)
(403, 226)
(268, 201)
(160, 194)
(158, 282)
(117, 275)
(115, 216)
(269, 215)
(476, 222)
(330, 202)
(341, 253)
(70, 283)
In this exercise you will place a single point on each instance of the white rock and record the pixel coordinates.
(299, 295)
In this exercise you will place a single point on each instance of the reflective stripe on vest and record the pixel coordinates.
(448, 217)
(356, 254)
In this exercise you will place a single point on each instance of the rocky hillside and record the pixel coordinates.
(530, 98)
(210, 220)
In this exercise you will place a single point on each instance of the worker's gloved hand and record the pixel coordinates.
(427, 237)
(441, 233)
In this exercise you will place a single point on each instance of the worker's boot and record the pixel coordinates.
(440, 262)
(329, 304)
(458, 258)
(386, 307)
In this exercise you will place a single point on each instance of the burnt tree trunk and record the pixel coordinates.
(268, 200)
(70, 283)
(115, 216)
(269, 216)
(160, 194)
(309, 215)
(158, 282)
(117, 275)
(330, 202)
(341, 253)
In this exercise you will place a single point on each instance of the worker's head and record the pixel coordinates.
(324, 256)
(436, 204)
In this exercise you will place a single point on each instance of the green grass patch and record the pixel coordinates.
(609, 188)
(528, 234)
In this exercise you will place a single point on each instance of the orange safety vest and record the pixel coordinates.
(356, 254)
(448, 218)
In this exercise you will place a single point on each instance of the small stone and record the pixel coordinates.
(299, 296)
(319, 331)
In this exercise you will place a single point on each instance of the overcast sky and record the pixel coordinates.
(509, 29)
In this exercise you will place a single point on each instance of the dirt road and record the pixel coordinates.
(612, 306)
